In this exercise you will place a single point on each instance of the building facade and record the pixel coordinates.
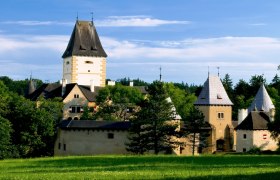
(216, 106)
(252, 131)
(84, 60)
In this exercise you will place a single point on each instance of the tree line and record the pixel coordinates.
(28, 128)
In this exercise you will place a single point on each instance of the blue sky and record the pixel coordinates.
(184, 37)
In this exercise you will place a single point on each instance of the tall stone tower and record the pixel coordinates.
(216, 106)
(84, 60)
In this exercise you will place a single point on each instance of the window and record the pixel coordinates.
(67, 62)
(110, 135)
(59, 145)
(76, 95)
(220, 115)
(264, 136)
(64, 147)
(88, 62)
(76, 109)
(88, 71)
(244, 136)
(244, 149)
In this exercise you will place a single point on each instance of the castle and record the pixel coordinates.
(84, 74)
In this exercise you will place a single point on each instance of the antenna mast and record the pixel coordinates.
(160, 76)
(91, 16)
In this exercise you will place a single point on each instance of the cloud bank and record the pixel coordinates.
(185, 60)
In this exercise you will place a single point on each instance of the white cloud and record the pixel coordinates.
(17, 43)
(252, 48)
(184, 60)
(111, 21)
(144, 21)
(37, 23)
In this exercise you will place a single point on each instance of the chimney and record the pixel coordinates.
(271, 114)
(111, 83)
(242, 114)
(63, 86)
(92, 85)
(131, 83)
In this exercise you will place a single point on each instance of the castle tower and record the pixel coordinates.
(84, 60)
(262, 101)
(216, 106)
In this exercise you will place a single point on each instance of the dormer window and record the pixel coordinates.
(82, 48)
(88, 62)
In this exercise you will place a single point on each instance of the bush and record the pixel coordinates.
(255, 150)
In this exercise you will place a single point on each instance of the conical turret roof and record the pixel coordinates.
(213, 93)
(84, 41)
(262, 101)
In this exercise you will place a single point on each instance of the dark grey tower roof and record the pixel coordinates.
(31, 86)
(84, 41)
(262, 101)
(213, 93)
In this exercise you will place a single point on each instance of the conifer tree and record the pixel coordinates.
(196, 129)
(152, 129)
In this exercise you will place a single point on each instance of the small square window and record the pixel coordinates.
(244, 136)
(110, 135)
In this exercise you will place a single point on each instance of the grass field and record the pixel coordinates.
(143, 167)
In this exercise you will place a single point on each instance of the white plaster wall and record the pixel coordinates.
(83, 76)
(263, 140)
(67, 69)
(244, 143)
(255, 138)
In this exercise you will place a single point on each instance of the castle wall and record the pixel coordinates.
(247, 139)
(90, 142)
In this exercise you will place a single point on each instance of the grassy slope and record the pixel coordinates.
(143, 167)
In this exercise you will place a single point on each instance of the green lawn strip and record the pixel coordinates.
(141, 167)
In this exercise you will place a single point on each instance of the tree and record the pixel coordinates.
(33, 125)
(153, 127)
(227, 83)
(196, 129)
(5, 138)
(117, 102)
(182, 100)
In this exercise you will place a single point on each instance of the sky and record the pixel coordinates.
(186, 38)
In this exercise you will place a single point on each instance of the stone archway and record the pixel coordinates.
(220, 145)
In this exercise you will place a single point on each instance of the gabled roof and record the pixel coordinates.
(213, 93)
(262, 101)
(55, 90)
(90, 124)
(256, 120)
(84, 41)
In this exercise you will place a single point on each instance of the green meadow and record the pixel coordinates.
(143, 167)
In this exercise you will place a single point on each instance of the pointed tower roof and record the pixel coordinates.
(84, 41)
(262, 101)
(213, 93)
(31, 86)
